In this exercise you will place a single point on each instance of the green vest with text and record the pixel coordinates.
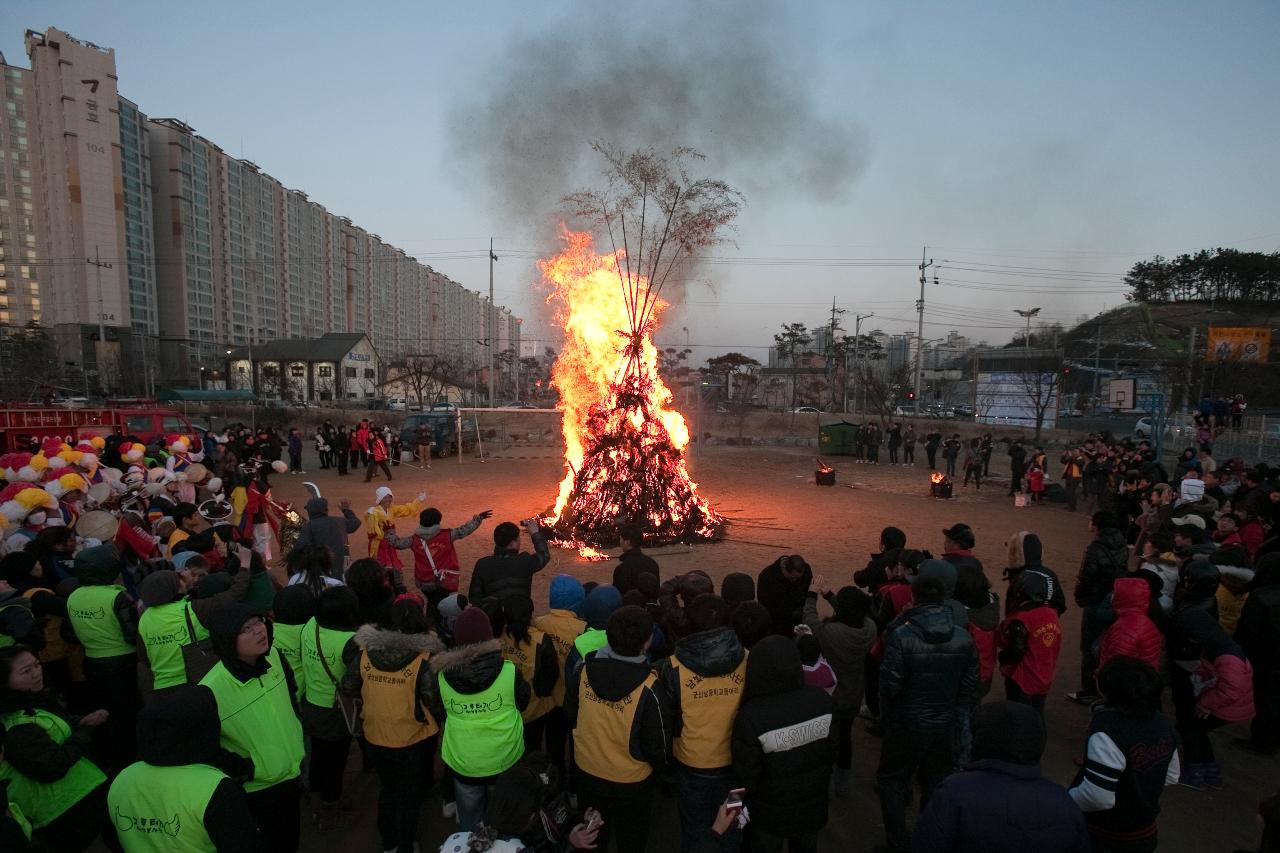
(320, 688)
(287, 640)
(483, 734)
(92, 612)
(44, 802)
(164, 632)
(591, 640)
(258, 722)
(161, 809)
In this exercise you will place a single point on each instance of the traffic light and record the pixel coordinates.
(911, 395)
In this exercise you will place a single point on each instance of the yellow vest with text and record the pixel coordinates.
(563, 627)
(390, 704)
(707, 708)
(602, 737)
(161, 809)
(525, 657)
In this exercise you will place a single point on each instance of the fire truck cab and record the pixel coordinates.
(21, 423)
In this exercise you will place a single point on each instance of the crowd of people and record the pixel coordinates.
(163, 685)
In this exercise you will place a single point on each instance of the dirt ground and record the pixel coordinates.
(775, 508)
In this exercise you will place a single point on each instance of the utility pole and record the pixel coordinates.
(1097, 362)
(920, 326)
(831, 345)
(101, 352)
(1191, 368)
(493, 324)
(857, 344)
(1027, 315)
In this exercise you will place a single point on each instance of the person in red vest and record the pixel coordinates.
(1030, 640)
(360, 444)
(435, 560)
(378, 456)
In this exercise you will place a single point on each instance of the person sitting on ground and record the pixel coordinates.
(632, 561)
(1001, 803)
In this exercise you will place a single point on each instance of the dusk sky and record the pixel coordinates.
(1037, 149)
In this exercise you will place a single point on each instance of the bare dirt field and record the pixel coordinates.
(775, 508)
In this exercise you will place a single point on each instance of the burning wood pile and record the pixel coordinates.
(940, 485)
(624, 445)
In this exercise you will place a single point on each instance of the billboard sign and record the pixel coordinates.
(1249, 344)
(1014, 398)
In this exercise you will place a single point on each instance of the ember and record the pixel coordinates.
(624, 446)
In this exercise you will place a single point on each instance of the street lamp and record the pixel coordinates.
(1027, 315)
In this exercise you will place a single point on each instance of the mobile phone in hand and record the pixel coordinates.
(733, 803)
(593, 819)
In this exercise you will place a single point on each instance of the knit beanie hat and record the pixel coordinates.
(942, 570)
(566, 594)
(472, 627)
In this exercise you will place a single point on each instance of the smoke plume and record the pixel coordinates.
(707, 75)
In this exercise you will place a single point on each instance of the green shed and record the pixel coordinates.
(837, 438)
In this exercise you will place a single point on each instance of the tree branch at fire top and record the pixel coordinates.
(658, 217)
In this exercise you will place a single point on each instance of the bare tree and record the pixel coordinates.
(657, 216)
(424, 376)
(1038, 384)
(882, 387)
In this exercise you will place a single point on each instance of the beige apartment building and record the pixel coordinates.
(176, 251)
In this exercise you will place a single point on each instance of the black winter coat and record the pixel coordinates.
(1258, 631)
(930, 666)
(505, 573)
(784, 599)
(1105, 559)
(632, 564)
(783, 742)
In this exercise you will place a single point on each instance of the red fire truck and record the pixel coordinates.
(22, 423)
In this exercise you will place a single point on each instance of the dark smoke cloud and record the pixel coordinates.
(706, 75)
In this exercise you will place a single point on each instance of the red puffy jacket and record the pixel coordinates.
(1133, 634)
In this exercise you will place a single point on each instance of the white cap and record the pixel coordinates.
(381, 494)
(1190, 518)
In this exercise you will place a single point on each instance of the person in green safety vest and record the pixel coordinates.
(105, 620)
(480, 698)
(57, 789)
(599, 606)
(255, 691)
(293, 608)
(325, 644)
(175, 798)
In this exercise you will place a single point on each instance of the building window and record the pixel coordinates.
(325, 371)
(297, 371)
(349, 372)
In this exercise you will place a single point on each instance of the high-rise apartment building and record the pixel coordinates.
(138, 241)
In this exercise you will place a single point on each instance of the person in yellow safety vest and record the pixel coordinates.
(391, 674)
(479, 698)
(255, 692)
(381, 518)
(563, 624)
(534, 655)
(620, 716)
(175, 798)
(326, 645)
(105, 620)
(704, 679)
(59, 792)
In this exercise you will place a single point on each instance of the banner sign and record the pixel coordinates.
(1250, 344)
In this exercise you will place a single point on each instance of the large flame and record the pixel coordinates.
(623, 443)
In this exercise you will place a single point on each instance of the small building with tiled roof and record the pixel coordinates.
(336, 366)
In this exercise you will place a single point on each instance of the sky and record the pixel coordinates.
(1037, 150)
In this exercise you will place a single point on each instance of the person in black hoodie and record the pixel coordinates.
(783, 748)
(620, 718)
(704, 679)
(178, 762)
(876, 573)
(928, 675)
(1017, 465)
(632, 562)
(508, 570)
(781, 589)
(1025, 554)
(1105, 559)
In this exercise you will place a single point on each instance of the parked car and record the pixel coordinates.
(1144, 427)
(963, 411)
(808, 410)
(396, 404)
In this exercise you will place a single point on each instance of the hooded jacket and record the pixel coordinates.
(1227, 679)
(327, 531)
(613, 679)
(1000, 803)
(100, 566)
(845, 647)
(1032, 555)
(972, 586)
(930, 666)
(1105, 559)
(390, 651)
(783, 742)
(506, 572)
(706, 654)
(471, 669)
(1030, 639)
(178, 728)
(1132, 634)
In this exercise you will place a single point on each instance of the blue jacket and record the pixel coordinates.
(1000, 807)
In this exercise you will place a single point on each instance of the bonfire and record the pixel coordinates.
(624, 443)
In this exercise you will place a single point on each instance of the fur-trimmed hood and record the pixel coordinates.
(392, 650)
(470, 669)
